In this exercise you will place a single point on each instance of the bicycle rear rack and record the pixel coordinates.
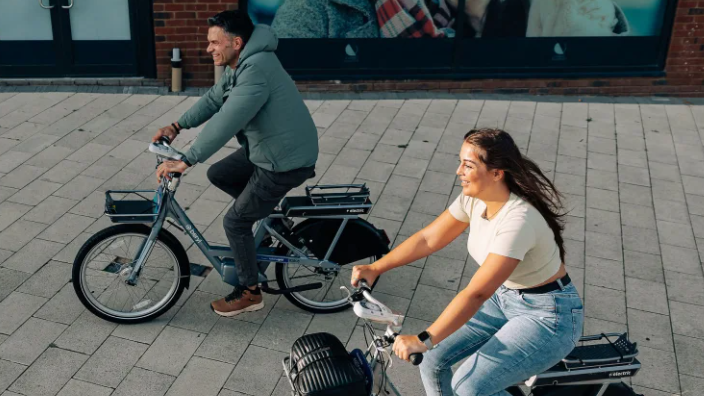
(601, 363)
(621, 351)
(347, 200)
(358, 196)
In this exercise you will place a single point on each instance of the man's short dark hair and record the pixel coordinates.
(234, 22)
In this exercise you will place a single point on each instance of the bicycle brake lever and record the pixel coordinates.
(349, 294)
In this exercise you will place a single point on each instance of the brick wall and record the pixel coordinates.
(182, 23)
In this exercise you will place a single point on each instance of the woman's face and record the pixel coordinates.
(473, 173)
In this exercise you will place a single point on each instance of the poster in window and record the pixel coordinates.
(351, 19)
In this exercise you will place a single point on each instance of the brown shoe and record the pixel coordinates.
(237, 302)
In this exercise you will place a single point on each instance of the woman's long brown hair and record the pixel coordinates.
(497, 150)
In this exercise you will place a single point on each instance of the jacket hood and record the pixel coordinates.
(263, 39)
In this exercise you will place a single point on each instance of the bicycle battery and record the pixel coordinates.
(319, 365)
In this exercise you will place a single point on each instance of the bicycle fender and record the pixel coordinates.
(359, 239)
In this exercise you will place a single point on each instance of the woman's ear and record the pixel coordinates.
(498, 175)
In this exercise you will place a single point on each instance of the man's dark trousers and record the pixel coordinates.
(257, 191)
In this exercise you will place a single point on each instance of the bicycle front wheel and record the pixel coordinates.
(360, 243)
(104, 263)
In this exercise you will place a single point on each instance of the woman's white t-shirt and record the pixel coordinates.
(518, 231)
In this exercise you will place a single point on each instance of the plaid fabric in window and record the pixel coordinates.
(414, 18)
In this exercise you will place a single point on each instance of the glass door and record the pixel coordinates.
(101, 38)
(27, 36)
(76, 38)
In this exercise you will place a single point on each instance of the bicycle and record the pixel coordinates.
(113, 280)
(589, 370)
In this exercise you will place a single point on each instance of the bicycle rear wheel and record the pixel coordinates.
(360, 243)
(104, 263)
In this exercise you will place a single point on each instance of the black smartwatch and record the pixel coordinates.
(424, 337)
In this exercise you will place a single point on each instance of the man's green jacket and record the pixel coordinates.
(259, 103)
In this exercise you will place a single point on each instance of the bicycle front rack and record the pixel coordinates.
(143, 210)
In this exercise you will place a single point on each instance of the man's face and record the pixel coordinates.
(223, 47)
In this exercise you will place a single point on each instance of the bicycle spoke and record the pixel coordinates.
(115, 258)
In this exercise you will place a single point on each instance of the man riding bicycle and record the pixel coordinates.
(256, 101)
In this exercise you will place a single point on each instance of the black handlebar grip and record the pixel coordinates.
(364, 286)
(165, 139)
(416, 358)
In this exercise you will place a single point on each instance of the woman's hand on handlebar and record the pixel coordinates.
(366, 272)
(168, 131)
(405, 345)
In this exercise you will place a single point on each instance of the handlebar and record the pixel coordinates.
(416, 358)
(384, 315)
(162, 149)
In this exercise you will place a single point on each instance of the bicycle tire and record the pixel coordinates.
(366, 232)
(167, 239)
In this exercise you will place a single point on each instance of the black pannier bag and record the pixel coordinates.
(319, 365)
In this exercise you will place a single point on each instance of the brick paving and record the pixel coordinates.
(633, 173)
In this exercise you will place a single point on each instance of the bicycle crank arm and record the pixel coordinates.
(309, 286)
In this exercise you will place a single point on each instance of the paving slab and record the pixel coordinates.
(80, 388)
(281, 329)
(10, 280)
(171, 351)
(9, 372)
(634, 236)
(109, 365)
(49, 210)
(16, 309)
(228, 340)
(86, 334)
(690, 352)
(687, 319)
(30, 341)
(201, 377)
(145, 383)
(33, 256)
(50, 373)
(254, 374)
(64, 307)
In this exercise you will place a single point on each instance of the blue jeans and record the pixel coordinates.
(512, 337)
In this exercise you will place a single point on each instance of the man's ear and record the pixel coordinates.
(237, 43)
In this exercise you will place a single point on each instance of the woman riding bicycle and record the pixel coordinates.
(520, 313)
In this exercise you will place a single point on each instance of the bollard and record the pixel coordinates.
(176, 76)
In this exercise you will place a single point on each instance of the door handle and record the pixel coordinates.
(70, 4)
(41, 4)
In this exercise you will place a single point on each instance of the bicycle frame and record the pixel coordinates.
(374, 352)
(222, 257)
